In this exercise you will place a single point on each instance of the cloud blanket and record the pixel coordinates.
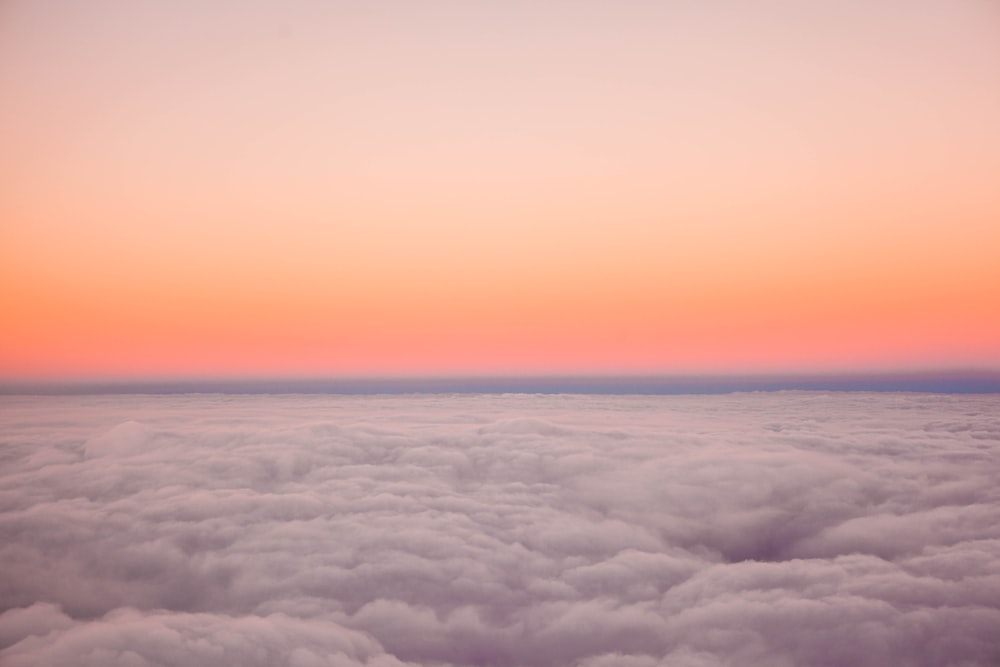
(763, 529)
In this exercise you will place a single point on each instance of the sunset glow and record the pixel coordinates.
(309, 188)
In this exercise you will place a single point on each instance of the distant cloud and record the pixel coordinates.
(753, 529)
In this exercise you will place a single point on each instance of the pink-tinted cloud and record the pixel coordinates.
(787, 528)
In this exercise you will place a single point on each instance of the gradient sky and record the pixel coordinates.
(401, 187)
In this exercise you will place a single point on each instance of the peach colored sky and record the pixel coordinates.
(390, 187)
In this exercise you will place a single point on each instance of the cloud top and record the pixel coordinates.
(789, 528)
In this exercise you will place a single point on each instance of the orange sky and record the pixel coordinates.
(390, 187)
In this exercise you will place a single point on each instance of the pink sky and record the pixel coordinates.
(460, 187)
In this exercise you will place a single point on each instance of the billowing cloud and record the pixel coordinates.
(748, 529)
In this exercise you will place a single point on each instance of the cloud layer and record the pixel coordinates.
(775, 529)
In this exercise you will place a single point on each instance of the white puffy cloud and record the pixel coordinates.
(130, 637)
(787, 528)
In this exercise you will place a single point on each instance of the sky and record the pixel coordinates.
(243, 188)
(753, 529)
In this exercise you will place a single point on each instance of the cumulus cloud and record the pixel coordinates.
(789, 528)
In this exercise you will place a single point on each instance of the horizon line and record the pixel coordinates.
(946, 381)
